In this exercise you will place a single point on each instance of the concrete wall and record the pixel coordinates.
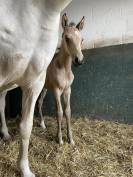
(102, 88)
(107, 22)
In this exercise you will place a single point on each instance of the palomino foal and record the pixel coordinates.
(59, 75)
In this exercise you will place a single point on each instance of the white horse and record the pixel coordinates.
(28, 40)
(59, 77)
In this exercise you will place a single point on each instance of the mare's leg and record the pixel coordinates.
(67, 111)
(30, 95)
(4, 128)
(40, 103)
(57, 94)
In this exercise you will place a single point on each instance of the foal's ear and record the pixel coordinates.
(80, 25)
(64, 21)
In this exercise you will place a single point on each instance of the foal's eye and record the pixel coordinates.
(67, 39)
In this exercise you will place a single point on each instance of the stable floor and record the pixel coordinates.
(103, 149)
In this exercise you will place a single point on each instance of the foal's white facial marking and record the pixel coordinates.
(73, 42)
(77, 33)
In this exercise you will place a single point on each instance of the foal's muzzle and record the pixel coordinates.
(77, 62)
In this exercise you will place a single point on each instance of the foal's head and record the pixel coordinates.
(72, 39)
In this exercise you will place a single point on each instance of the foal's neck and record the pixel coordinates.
(64, 58)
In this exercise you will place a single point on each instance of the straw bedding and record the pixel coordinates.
(103, 149)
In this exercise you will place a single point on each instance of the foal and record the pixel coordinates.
(59, 75)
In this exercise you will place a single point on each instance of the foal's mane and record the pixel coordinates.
(72, 24)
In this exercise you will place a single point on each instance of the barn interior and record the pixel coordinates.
(101, 103)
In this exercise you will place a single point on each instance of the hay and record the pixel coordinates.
(103, 149)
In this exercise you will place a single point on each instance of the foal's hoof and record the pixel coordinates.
(72, 143)
(42, 124)
(61, 142)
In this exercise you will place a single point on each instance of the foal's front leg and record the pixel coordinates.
(4, 128)
(57, 94)
(67, 111)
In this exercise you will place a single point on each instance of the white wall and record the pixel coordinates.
(108, 22)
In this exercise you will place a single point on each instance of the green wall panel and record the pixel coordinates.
(103, 86)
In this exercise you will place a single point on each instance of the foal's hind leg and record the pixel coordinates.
(40, 103)
(57, 94)
(67, 111)
(4, 129)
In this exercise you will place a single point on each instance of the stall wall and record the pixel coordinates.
(103, 86)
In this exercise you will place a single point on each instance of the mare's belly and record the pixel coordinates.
(11, 69)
